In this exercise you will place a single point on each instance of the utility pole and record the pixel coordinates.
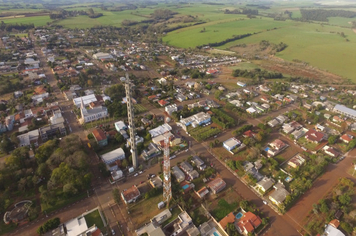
(130, 116)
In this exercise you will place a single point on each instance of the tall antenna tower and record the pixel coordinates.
(130, 116)
(167, 190)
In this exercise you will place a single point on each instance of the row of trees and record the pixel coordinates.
(228, 40)
(245, 11)
(323, 15)
(9, 26)
(257, 73)
(223, 119)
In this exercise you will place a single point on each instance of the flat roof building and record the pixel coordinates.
(110, 157)
(348, 112)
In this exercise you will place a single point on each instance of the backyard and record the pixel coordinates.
(94, 218)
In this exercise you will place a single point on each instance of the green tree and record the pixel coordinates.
(6, 146)
(332, 139)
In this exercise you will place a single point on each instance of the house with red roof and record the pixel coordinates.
(248, 223)
(100, 137)
(230, 218)
(163, 103)
(315, 136)
(249, 134)
(346, 138)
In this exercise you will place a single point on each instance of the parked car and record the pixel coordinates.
(264, 202)
(113, 232)
(136, 174)
(140, 172)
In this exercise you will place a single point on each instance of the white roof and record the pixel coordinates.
(117, 154)
(86, 100)
(120, 125)
(76, 226)
(331, 231)
(232, 142)
(160, 130)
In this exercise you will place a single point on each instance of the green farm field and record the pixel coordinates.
(113, 18)
(36, 20)
(314, 44)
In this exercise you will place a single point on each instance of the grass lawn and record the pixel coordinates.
(37, 20)
(61, 203)
(94, 218)
(139, 108)
(223, 209)
(309, 145)
(5, 229)
(142, 211)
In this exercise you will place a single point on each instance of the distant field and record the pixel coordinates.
(113, 18)
(340, 21)
(314, 44)
(37, 20)
(219, 31)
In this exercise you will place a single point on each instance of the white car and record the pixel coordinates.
(135, 174)
(112, 232)
(264, 202)
(140, 172)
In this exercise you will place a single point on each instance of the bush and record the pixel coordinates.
(49, 225)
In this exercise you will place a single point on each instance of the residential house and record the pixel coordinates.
(248, 223)
(186, 167)
(130, 195)
(273, 123)
(331, 151)
(120, 125)
(296, 161)
(229, 219)
(249, 134)
(216, 185)
(275, 147)
(156, 182)
(231, 144)
(279, 194)
(297, 134)
(202, 192)
(52, 130)
(265, 184)
(171, 108)
(28, 138)
(100, 137)
(281, 119)
(178, 174)
(199, 163)
(314, 136)
(346, 138)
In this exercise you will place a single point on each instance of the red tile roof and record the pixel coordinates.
(99, 135)
(314, 135)
(230, 218)
(346, 137)
(162, 102)
(249, 222)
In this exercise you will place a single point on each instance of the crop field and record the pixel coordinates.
(37, 20)
(113, 18)
(219, 31)
(318, 45)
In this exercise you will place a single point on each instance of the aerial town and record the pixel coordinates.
(107, 134)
